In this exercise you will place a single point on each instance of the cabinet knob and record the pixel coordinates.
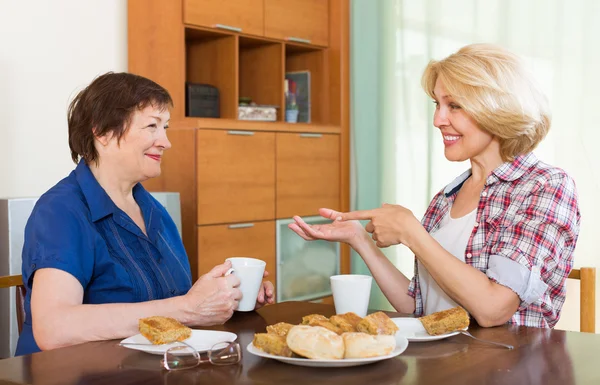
(298, 40)
(305, 135)
(228, 27)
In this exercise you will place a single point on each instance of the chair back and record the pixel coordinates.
(587, 278)
(21, 292)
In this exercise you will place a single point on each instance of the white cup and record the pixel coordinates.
(351, 293)
(250, 272)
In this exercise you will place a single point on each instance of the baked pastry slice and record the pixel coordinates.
(163, 330)
(347, 321)
(280, 328)
(377, 323)
(327, 325)
(315, 342)
(272, 344)
(307, 319)
(446, 321)
(362, 345)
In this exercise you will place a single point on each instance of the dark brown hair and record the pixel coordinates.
(106, 106)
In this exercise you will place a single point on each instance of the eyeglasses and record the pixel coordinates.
(184, 356)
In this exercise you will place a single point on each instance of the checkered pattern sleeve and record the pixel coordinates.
(533, 254)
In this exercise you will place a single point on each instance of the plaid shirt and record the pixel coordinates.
(524, 236)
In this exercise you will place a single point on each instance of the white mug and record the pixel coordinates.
(250, 272)
(351, 293)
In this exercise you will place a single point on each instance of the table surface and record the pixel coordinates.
(541, 356)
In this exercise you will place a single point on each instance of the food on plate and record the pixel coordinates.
(307, 319)
(446, 321)
(280, 328)
(347, 321)
(315, 342)
(341, 336)
(377, 323)
(327, 325)
(163, 330)
(272, 343)
(362, 345)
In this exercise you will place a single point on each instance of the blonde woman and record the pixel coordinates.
(499, 239)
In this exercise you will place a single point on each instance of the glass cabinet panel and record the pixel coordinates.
(303, 267)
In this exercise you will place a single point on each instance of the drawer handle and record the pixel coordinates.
(298, 40)
(311, 135)
(228, 27)
(243, 133)
(241, 225)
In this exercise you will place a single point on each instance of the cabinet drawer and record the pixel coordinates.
(306, 20)
(254, 240)
(237, 15)
(308, 173)
(236, 176)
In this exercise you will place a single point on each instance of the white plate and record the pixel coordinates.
(401, 344)
(413, 330)
(201, 340)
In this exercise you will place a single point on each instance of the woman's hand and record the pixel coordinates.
(213, 298)
(389, 225)
(266, 294)
(350, 232)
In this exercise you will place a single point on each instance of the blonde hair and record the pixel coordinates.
(492, 85)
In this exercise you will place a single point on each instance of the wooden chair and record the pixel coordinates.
(21, 292)
(587, 276)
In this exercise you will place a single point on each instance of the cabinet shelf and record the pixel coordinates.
(245, 125)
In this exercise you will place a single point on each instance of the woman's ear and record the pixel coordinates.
(103, 140)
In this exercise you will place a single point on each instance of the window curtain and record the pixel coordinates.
(398, 154)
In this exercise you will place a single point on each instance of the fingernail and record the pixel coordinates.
(338, 218)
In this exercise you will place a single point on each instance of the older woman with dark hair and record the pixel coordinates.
(499, 239)
(100, 252)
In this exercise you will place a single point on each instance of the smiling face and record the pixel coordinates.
(137, 156)
(463, 139)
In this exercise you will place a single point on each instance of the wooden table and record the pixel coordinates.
(541, 356)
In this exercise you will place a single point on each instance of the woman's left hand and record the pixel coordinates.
(266, 294)
(389, 225)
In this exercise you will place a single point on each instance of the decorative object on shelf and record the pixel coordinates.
(299, 86)
(257, 112)
(201, 100)
(291, 108)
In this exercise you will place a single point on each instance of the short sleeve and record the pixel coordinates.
(534, 253)
(58, 235)
(414, 290)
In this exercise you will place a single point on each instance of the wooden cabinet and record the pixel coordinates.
(298, 20)
(235, 176)
(308, 173)
(254, 240)
(230, 171)
(236, 15)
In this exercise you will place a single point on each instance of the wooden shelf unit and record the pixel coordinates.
(244, 175)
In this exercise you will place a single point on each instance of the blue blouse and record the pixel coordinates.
(76, 227)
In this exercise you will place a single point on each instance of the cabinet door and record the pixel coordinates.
(308, 173)
(236, 176)
(254, 240)
(238, 15)
(306, 20)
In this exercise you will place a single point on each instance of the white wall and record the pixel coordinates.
(49, 50)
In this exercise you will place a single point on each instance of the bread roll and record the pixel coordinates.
(315, 342)
(362, 345)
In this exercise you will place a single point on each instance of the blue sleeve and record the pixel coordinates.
(58, 235)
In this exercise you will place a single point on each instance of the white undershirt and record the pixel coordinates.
(453, 234)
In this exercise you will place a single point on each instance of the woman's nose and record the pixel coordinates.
(440, 118)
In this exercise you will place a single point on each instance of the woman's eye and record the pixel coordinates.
(166, 126)
(437, 104)
(153, 125)
(454, 106)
